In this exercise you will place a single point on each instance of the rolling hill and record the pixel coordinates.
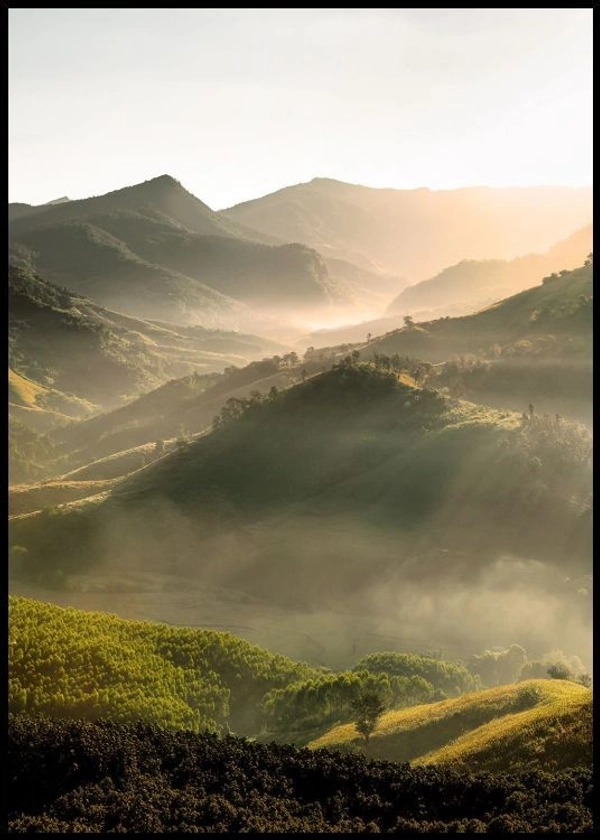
(76, 353)
(536, 724)
(535, 346)
(351, 490)
(153, 250)
(471, 284)
(417, 233)
(180, 407)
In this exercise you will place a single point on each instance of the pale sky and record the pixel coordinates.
(237, 103)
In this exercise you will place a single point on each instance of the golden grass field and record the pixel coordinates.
(545, 723)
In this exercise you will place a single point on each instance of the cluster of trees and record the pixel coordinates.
(448, 679)
(69, 663)
(237, 407)
(76, 776)
(499, 666)
(320, 702)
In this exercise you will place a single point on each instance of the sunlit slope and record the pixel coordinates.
(72, 663)
(416, 233)
(187, 405)
(344, 481)
(62, 338)
(561, 307)
(470, 284)
(545, 724)
(41, 407)
(25, 498)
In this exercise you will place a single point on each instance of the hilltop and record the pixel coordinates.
(329, 485)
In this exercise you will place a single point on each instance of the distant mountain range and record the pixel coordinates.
(155, 251)
(312, 252)
(415, 234)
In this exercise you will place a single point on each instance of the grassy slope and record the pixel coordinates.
(471, 283)
(28, 498)
(189, 403)
(25, 393)
(536, 723)
(63, 336)
(445, 337)
(553, 307)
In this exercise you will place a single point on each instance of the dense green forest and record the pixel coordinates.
(76, 776)
(74, 663)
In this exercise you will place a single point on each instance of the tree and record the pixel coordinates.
(367, 708)
(560, 671)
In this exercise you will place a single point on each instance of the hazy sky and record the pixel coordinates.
(236, 103)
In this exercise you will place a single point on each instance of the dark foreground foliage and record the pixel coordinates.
(76, 776)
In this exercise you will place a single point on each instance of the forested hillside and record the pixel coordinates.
(73, 776)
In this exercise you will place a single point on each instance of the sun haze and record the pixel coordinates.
(237, 103)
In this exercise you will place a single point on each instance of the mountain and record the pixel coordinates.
(58, 338)
(472, 284)
(351, 490)
(156, 251)
(561, 305)
(417, 233)
(533, 347)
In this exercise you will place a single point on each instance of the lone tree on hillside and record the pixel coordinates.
(368, 708)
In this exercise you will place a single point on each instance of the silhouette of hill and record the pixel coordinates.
(417, 233)
(471, 284)
(156, 251)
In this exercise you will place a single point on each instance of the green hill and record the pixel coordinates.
(349, 489)
(560, 306)
(471, 284)
(536, 724)
(181, 406)
(534, 347)
(72, 663)
(155, 251)
(56, 338)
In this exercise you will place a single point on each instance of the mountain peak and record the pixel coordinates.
(164, 180)
(60, 200)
